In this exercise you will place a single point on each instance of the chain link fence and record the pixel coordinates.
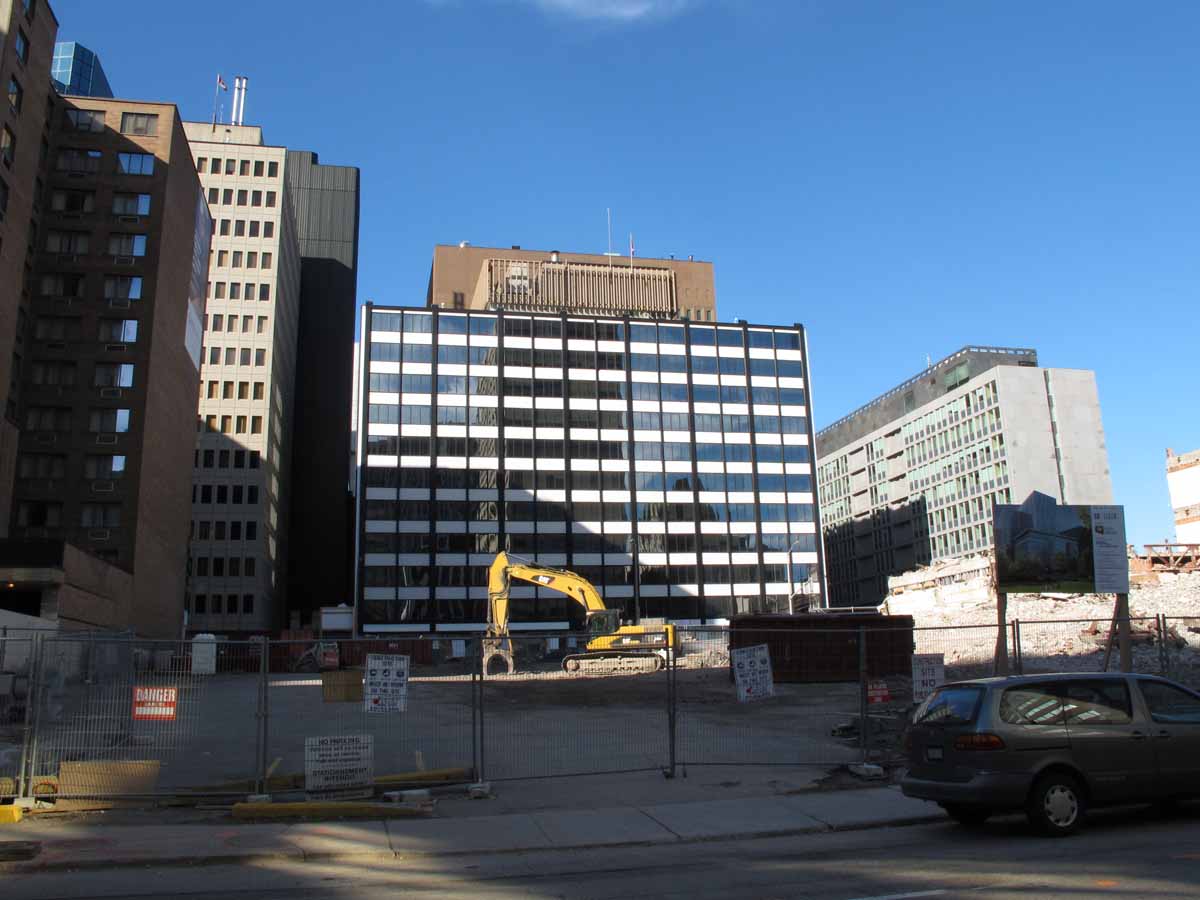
(87, 717)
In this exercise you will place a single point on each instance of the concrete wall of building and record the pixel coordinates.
(169, 434)
(1183, 485)
(456, 270)
(16, 233)
(1054, 434)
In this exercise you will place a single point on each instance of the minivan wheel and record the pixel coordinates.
(1056, 805)
(966, 814)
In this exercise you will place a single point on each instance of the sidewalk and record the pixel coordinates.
(79, 845)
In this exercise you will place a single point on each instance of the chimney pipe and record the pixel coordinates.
(242, 106)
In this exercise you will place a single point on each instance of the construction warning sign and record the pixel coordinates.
(155, 703)
(928, 673)
(752, 673)
(877, 692)
(386, 683)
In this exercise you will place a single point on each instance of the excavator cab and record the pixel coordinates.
(603, 621)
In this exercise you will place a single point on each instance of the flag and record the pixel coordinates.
(221, 82)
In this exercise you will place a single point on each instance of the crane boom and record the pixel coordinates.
(505, 568)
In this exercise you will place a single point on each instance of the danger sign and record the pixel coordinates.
(155, 702)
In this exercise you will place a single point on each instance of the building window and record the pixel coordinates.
(245, 356)
(230, 166)
(235, 290)
(241, 227)
(214, 167)
(258, 392)
(8, 145)
(268, 229)
(73, 201)
(22, 46)
(224, 228)
(256, 425)
(100, 515)
(200, 604)
(78, 162)
(242, 197)
(38, 514)
(131, 204)
(214, 197)
(135, 163)
(123, 287)
(108, 421)
(53, 373)
(200, 163)
(16, 94)
(273, 170)
(219, 290)
(139, 123)
(237, 259)
(260, 357)
(244, 169)
(266, 260)
(67, 242)
(264, 292)
(256, 198)
(42, 466)
(271, 199)
(227, 197)
(113, 375)
(127, 244)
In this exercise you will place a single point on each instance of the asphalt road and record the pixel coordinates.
(1125, 854)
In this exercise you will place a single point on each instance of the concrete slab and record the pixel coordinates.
(484, 834)
(601, 827)
(324, 840)
(863, 808)
(733, 818)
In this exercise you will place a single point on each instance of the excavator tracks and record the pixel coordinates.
(612, 663)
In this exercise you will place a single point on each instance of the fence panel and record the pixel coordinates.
(17, 656)
(803, 723)
(1081, 645)
(545, 721)
(1182, 649)
(115, 717)
(321, 690)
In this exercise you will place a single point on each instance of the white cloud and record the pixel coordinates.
(614, 10)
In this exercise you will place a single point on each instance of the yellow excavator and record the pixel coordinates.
(611, 647)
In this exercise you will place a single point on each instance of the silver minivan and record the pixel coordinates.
(1053, 745)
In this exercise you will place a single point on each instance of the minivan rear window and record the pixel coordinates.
(950, 705)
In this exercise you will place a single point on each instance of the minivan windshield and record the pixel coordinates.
(950, 705)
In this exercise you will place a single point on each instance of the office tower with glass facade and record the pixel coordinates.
(113, 352)
(238, 564)
(76, 71)
(667, 462)
(326, 202)
(911, 477)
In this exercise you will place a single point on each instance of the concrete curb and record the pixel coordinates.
(297, 854)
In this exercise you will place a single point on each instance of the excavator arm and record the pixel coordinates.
(505, 568)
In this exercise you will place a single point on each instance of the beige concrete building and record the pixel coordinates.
(113, 355)
(466, 277)
(1183, 483)
(240, 494)
(27, 32)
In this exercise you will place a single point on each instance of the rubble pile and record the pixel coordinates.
(1062, 632)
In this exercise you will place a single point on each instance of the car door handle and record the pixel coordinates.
(1163, 734)
(1139, 735)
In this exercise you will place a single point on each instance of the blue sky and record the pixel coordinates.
(902, 178)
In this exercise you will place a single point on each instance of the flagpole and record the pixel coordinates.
(216, 96)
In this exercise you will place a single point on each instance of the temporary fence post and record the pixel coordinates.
(3, 643)
(671, 703)
(1018, 659)
(1164, 662)
(471, 649)
(30, 692)
(37, 689)
(863, 723)
(264, 712)
(482, 712)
